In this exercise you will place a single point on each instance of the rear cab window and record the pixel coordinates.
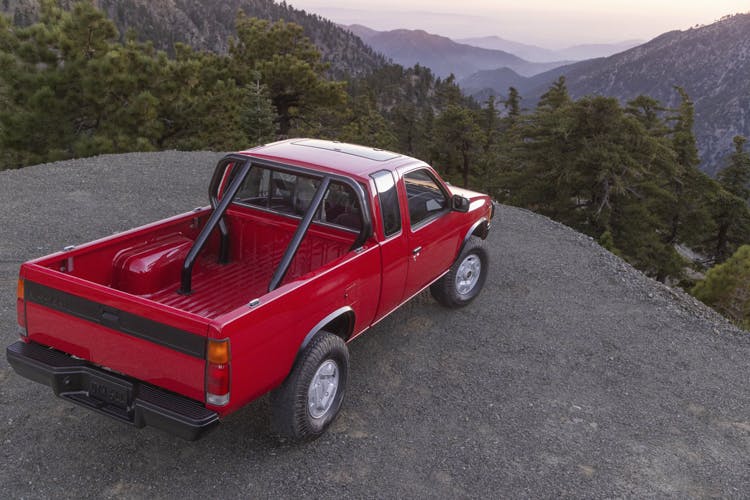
(292, 193)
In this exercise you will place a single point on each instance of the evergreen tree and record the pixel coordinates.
(365, 125)
(258, 115)
(513, 103)
(726, 287)
(201, 106)
(557, 95)
(729, 205)
(688, 216)
(289, 66)
(458, 141)
(735, 177)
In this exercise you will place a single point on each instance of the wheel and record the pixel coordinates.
(466, 277)
(310, 397)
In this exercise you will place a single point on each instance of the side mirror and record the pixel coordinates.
(459, 203)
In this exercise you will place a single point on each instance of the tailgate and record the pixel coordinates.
(121, 332)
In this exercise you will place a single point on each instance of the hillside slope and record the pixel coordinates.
(207, 24)
(711, 62)
(571, 375)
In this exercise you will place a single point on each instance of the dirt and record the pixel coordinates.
(571, 375)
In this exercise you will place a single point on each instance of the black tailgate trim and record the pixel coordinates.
(121, 321)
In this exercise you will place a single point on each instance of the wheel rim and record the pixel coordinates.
(323, 388)
(468, 274)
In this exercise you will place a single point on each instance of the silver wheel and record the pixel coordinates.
(468, 273)
(323, 388)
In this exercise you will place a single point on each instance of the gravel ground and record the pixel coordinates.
(571, 375)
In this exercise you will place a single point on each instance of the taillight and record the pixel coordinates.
(21, 307)
(217, 372)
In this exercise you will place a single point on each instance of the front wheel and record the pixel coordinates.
(466, 277)
(311, 396)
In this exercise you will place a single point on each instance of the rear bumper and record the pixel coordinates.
(116, 396)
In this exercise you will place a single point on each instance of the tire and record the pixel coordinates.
(466, 277)
(301, 409)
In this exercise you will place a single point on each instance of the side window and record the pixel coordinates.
(426, 199)
(388, 197)
(341, 207)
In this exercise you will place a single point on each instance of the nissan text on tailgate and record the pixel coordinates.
(305, 245)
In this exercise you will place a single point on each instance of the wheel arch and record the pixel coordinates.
(480, 228)
(340, 322)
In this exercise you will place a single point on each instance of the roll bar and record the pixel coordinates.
(216, 218)
(241, 167)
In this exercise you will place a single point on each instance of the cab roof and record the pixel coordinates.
(331, 156)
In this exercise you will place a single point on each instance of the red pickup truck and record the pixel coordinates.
(304, 246)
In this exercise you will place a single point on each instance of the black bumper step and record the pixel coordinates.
(116, 396)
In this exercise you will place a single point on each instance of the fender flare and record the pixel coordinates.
(323, 322)
(472, 229)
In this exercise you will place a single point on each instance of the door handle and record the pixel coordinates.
(416, 251)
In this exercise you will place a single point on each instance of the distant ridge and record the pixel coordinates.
(540, 54)
(443, 55)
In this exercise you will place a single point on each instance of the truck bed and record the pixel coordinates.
(147, 264)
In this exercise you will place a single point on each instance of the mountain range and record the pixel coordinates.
(712, 63)
(443, 55)
(540, 54)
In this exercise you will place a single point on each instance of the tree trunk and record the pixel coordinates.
(722, 243)
(466, 168)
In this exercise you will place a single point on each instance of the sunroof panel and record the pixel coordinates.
(350, 149)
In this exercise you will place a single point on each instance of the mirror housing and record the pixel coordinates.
(459, 203)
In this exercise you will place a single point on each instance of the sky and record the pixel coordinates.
(552, 24)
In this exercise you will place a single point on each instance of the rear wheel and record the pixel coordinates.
(311, 396)
(466, 277)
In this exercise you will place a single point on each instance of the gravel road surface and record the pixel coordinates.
(571, 375)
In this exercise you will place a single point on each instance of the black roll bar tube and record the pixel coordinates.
(216, 217)
(213, 197)
(299, 234)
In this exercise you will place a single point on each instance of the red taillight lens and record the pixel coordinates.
(217, 372)
(217, 382)
(21, 306)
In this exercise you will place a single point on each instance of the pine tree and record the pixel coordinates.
(258, 115)
(513, 103)
(689, 215)
(458, 141)
(557, 95)
(289, 66)
(729, 205)
(726, 287)
(735, 177)
(365, 125)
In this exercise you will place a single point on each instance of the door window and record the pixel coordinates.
(426, 200)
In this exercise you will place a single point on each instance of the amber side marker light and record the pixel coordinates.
(21, 306)
(217, 372)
